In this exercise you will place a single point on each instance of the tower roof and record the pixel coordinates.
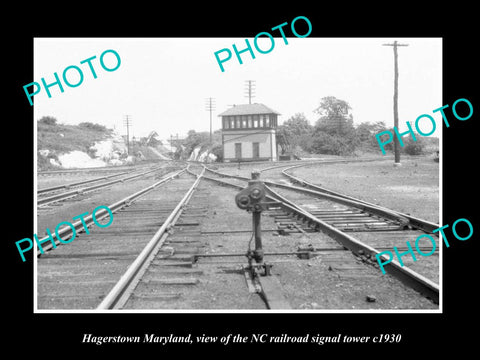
(249, 109)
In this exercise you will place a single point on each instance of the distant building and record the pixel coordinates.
(249, 133)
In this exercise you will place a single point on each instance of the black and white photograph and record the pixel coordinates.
(242, 182)
(179, 187)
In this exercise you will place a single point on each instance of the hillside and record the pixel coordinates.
(62, 138)
(84, 145)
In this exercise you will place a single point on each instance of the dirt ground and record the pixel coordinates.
(331, 280)
(411, 188)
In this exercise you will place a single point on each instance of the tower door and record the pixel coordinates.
(238, 150)
(256, 150)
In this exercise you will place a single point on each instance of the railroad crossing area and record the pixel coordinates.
(206, 240)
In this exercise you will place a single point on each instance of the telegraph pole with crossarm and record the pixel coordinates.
(210, 106)
(396, 144)
(127, 121)
(249, 91)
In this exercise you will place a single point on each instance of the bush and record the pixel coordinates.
(217, 150)
(48, 120)
(414, 147)
(92, 126)
(324, 143)
(304, 142)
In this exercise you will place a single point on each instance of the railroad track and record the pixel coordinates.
(55, 188)
(132, 265)
(414, 222)
(94, 170)
(170, 272)
(365, 229)
(57, 193)
(80, 274)
(183, 245)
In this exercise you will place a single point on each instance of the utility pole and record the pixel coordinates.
(396, 144)
(250, 84)
(210, 106)
(127, 122)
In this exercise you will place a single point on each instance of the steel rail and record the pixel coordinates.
(415, 222)
(409, 277)
(384, 212)
(118, 291)
(371, 208)
(73, 193)
(103, 213)
(67, 186)
(109, 168)
(322, 161)
(306, 161)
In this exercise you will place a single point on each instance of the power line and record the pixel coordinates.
(396, 144)
(127, 121)
(210, 106)
(250, 89)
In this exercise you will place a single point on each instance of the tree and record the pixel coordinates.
(48, 120)
(334, 116)
(412, 147)
(195, 139)
(297, 125)
(293, 130)
(366, 134)
(92, 126)
(324, 143)
(365, 131)
(334, 132)
(185, 147)
(217, 150)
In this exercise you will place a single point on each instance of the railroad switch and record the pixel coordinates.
(259, 269)
(260, 265)
(253, 199)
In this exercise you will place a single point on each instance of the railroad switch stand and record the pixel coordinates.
(252, 199)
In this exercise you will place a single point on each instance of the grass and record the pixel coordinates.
(60, 138)
(65, 138)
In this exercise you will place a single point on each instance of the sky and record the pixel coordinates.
(163, 83)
